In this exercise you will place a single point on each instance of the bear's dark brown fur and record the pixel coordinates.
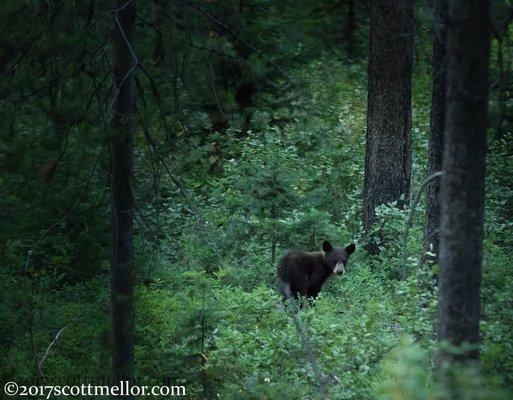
(303, 274)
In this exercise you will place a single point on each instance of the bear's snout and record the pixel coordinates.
(339, 268)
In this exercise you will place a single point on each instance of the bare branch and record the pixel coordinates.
(413, 205)
(52, 343)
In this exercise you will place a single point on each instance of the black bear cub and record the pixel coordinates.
(302, 273)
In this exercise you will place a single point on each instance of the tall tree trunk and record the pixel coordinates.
(388, 141)
(122, 269)
(350, 27)
(436, 131)
(502, 87)
(462, 189)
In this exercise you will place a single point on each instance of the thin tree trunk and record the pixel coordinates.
(502, 87)
(122, 269)
(350, 27)
(436, 131)
(462, 188)
(388, 140)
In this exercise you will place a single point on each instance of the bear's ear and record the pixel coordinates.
(350, 249)
(326, 246)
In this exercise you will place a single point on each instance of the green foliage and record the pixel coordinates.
(250, 141)
(404, 376)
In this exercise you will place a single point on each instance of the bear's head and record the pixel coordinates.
(337, 257)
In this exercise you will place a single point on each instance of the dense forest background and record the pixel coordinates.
(249, 138)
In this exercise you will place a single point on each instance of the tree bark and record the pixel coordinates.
(436, 131)
(502, 87)
(350, 28)
(388, 139)
(122, 268)
(463, 186)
